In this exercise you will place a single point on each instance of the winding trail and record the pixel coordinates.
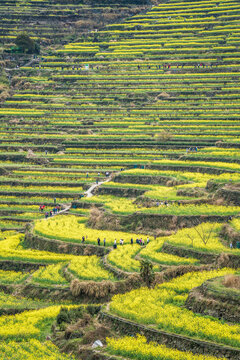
(26, 64)
(66, 208)
(89, 192)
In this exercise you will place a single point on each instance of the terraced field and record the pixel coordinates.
(119, 152)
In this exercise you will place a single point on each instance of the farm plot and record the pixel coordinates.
(144, 112)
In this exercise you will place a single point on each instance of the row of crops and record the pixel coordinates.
(120, 148)
(29, 328)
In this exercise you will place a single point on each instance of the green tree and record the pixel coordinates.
(26, 44)
(146, 272)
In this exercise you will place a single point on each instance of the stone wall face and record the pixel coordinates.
(217, 260)
(209, 299)
(230, 195)
(19, 265)
(200, 169)
(203, 257)
(148, 222)
(122, 192)
(206, 305)
(146, 179)
(167, 222)
(41, 243)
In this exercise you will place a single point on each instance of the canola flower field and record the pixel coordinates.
(138, 348)
(127, 123)
(165, 307)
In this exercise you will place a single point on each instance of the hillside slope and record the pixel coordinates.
(120, 182)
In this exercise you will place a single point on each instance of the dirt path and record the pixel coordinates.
(26, 64)
(89, 192)
(66, 208)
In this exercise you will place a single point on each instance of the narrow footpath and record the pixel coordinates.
(89, 192)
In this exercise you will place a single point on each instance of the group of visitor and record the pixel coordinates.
(160, 66)
(99, 241)
(167, 203)
(121, 242)
(52, 212)
(138, 241)
(141, 241)
(169, 66)
(192, 149)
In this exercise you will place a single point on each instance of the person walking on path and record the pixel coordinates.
(115, 244)
(98, 241)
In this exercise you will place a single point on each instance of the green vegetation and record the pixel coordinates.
(127, 124)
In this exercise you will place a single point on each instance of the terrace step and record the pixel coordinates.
(182, 343)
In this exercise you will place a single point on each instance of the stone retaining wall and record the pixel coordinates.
(37, 242)
(43, 292)
(147, 179)
(200, 304)
(220, 260)
(46, 194)
(118, 191)
(59, 293)
(19, 265)
(230, 195)
(203, 257)
(200, 169)
(166, 222)
(146, 223)
(84, 205)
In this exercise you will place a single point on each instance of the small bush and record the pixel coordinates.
(93, 310)
(63, 316)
